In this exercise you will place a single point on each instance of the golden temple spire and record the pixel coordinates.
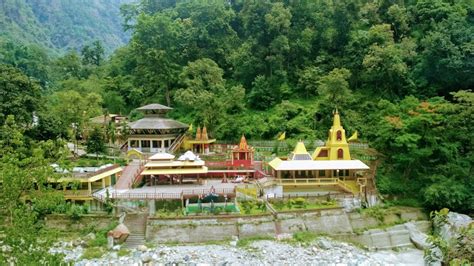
(204, 134)
(198, 133)
(337, 119)
(243, 143)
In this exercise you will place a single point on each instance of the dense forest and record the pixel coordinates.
(62, 25)
(400, 72)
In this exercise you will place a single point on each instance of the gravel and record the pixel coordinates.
(323, 251)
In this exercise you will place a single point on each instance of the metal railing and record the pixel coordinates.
(309, 181)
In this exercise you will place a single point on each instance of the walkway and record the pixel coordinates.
(129, 173)
(170, 191)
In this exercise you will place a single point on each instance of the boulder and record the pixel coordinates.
(418, 238)
(119, 233)
(324, 243)
(145, 258)
(454, 222)
(142, 248)
(90, 236)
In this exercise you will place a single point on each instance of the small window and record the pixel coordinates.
(134, 143)
(322, 173)
(340, 154)
(167, 143)
(339, 135)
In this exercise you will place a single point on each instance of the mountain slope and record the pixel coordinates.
(61, 25)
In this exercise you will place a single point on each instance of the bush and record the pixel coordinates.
(92, 253)
(75, 212)
(279, 204)
(300, 203)
(247, 206)
(304, 236)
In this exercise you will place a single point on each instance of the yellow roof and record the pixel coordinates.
(93, 178)
(275, 163)
(179, 171)
(300, 152)
(300, 148)
(194, 141)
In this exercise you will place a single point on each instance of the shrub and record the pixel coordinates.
(300, 203)
(92, 253)
(75, 212)
(279, 204)
(247, 206)
(304, 236)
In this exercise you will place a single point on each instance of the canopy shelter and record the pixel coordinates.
(83, 181)
(201, 143)
(163, 166)
(154, 132)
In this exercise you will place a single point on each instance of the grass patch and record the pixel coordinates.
(93, 253)
(123, 252)
(245, 242)
(408, 202)
(302, 204)
(304, 237)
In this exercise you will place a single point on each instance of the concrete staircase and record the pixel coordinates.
(128, 176)
(176, 143)
(136, 224)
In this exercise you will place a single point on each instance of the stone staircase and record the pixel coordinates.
(136, 224)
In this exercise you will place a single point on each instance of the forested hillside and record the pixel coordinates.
(61, 25)
(400, 72)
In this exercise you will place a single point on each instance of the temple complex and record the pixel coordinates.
(201, 143)
(154, 132)
(330, 165)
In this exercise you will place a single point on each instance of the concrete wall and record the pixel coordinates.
(330, 221)
(64, 222)
(396, 236)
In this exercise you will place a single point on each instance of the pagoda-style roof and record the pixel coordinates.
(161, 156)
(299, 153)
(243, 146)
(157, 123)
(154, 106)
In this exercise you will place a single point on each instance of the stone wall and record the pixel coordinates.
(65, 223)
(397, 236)
(328, 221)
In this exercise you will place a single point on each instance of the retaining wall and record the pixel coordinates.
(64, 222)
(335, 222)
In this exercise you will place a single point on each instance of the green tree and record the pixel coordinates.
(24, 169)
(334, 87)
(19, 95)
(96, 142)
(205, 93)
(93, 54)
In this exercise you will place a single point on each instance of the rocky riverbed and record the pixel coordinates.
(322, 251)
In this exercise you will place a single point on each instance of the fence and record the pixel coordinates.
(329, 195)
(159, 196)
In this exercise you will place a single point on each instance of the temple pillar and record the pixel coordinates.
(103, 182)
(140, 144)
(89, 187)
